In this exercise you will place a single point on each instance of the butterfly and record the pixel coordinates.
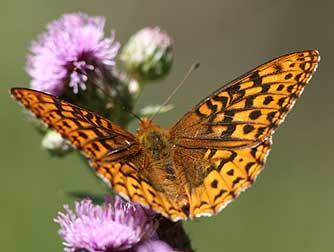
(201, 163)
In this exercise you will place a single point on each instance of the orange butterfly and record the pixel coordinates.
(200, 164)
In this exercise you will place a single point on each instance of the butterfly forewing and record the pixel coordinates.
(249, 109)
(95, 136)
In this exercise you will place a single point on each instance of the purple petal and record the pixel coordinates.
(116, 226)
(154, 246)
(72, 47)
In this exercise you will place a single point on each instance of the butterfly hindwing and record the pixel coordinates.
(218, 176)
(126, 179)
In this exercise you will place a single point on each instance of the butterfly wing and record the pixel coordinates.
(114, 153)
(218, 176)
(135, 185)
(247, 110)
(96, 137)
(222, 143)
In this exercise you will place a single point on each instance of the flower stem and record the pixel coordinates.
(174, 234)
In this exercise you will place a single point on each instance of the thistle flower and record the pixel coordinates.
(148, 55)
(72, 50)
(116, 226)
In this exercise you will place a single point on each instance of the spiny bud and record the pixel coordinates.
(148, 55)
(55, 144)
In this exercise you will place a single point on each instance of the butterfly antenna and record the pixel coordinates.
(189, 72)
(123, 107)
(132, 113)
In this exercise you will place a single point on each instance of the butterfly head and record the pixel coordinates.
(147, 124)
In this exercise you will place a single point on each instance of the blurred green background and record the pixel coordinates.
(291, 206)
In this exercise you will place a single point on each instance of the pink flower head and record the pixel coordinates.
(70, 50)
(116, 226)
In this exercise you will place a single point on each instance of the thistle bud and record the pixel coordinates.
(148, 55)
(55, 144)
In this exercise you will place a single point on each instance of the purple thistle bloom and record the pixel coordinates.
(114, 227)
(72, 48)
(154, 246)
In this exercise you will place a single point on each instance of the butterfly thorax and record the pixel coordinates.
(153, 139)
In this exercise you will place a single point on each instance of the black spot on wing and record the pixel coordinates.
(249, 166)
(288, 76)
(255, 114)
(214, 183)
(221, 192)
(83, 135)
(248, 128)
(212, 107)
(222, 99)
(226, 160)
(236, 181)
(290, 88)
(280, 87)
(281, 101)
(95, 146)
(256, 78)
(249, 101)
(212, 153)
(199, 113)
(268, 100)
(230, 172)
